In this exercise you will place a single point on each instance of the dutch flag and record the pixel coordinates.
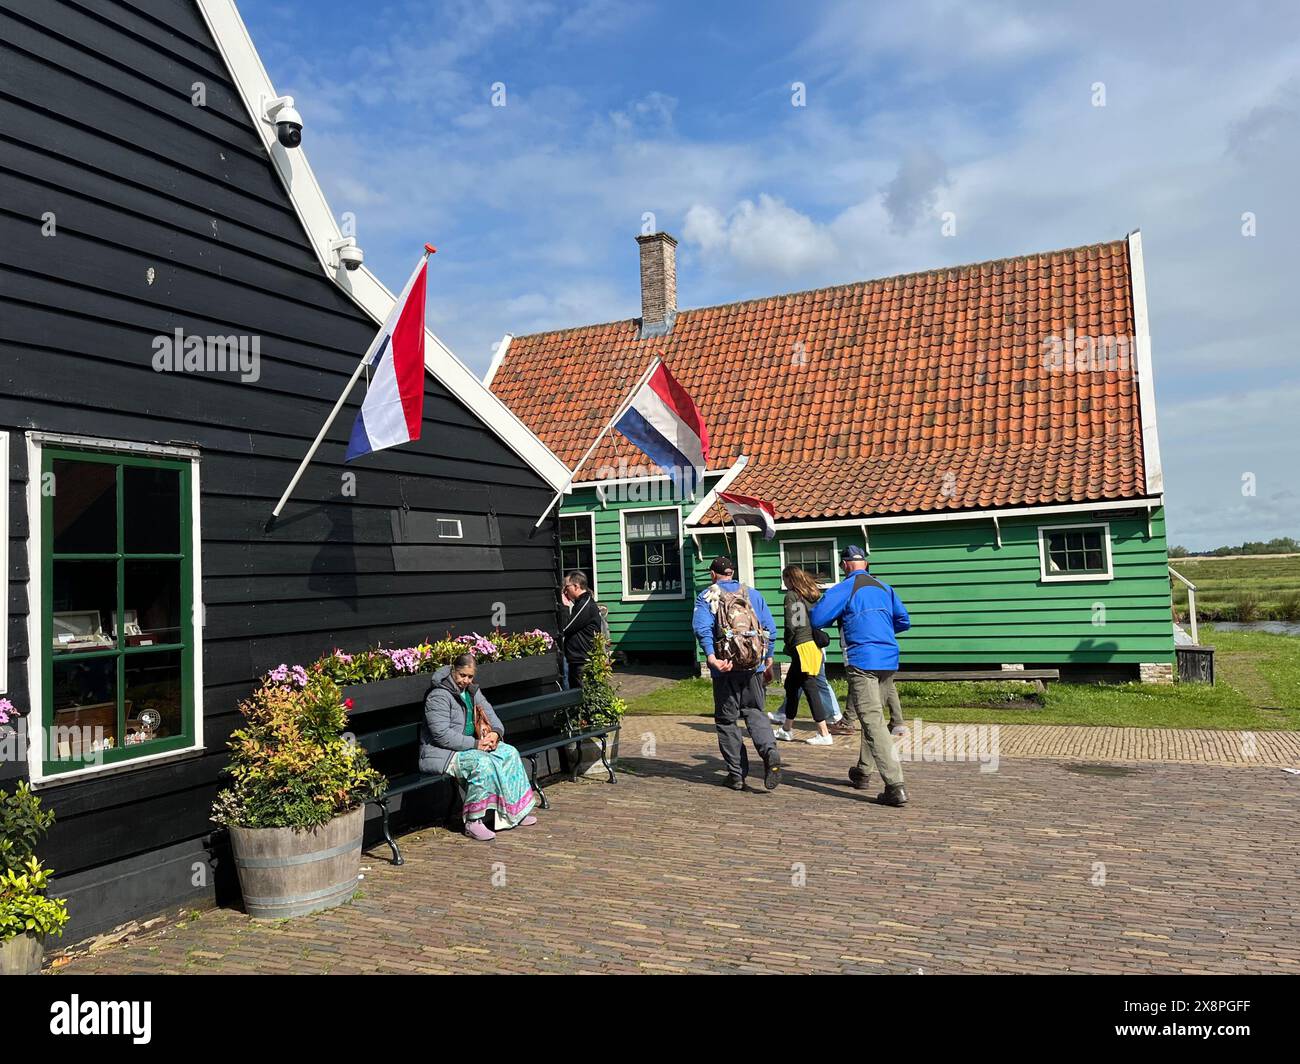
(746, 510)
(664, 422)
(393, 409)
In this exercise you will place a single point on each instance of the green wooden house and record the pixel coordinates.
(986, 432)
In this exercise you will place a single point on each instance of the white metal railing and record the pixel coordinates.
(1191, 601)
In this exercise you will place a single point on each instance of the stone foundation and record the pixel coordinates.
(1156, 672)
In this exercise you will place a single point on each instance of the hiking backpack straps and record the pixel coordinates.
(738, 636)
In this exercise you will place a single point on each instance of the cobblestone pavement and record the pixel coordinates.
(1041, 866)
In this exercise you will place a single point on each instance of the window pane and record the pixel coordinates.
(1094, 561)
(85, 708)
(85, 507)
(153, 696)
(84, 600)
(152, 602)
(152, 510)
(1074, 540)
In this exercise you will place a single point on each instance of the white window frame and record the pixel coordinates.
(4, 562)
(1048, 577)
(835, 551)
(35, 550)
(591, 576)
(460, 531)
(653, 596)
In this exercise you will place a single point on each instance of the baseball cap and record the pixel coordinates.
(723, 564)
(852, 553)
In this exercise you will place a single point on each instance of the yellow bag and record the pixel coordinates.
(810, 657)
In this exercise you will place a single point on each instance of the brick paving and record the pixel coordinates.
(1044, 865)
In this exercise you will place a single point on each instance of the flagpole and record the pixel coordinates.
(654, 365)
(429, 249)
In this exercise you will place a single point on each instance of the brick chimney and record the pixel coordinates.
(658, 284)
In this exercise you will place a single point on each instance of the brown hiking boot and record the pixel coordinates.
(840, 727)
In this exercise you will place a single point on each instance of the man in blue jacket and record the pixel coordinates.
(738, 691)
(870, 615)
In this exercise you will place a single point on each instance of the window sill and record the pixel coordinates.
(100, 771)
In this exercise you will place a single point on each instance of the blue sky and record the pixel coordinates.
(986, 110)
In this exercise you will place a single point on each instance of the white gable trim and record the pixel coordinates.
(254, 85)
(1146, 382)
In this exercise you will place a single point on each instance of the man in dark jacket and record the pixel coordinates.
(870, 616)
(578, 635)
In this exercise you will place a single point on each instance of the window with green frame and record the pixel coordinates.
(117, 615)
(576, 548)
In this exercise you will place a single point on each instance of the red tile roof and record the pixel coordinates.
(929, 391)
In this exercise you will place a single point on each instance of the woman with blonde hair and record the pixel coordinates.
(804, 644)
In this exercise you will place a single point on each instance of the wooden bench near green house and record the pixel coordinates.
(532, 726)
(1038, 677)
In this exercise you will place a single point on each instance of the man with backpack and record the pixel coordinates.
(870, 615)
(736, 631)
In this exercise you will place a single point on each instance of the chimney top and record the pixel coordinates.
(658, 284)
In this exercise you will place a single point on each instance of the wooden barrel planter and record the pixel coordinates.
(284, 872)
(22, 955)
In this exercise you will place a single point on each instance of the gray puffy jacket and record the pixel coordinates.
(443, 732)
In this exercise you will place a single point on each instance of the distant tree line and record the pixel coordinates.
(1279, 545)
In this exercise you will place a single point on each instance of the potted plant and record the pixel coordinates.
(600, 707)
(296, 809)
(27, 916)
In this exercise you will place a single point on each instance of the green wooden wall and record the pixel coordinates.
(657, 625)
(972, 602)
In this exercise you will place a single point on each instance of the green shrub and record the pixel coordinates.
(600, 706)
(1246, 606)
(291, 765)
(23, 880)
(1288, 607)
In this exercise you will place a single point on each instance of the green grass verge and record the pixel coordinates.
(1258, 689)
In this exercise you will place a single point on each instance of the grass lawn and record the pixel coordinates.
(1258, 689)
(1264, 588)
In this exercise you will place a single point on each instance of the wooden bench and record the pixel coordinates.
(1037, 676)
(529, 728)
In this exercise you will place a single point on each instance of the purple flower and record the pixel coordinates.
(279, 675)
(300, 676)
(405, 659)
(7, 711)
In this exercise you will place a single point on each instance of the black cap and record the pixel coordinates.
(723, 564)
(852, 553)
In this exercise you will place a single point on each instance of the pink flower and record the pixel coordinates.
(7, 711)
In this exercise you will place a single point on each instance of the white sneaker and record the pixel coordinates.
(820, 740)
(783, 735)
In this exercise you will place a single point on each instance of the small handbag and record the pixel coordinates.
(821, 638)
(482, 726)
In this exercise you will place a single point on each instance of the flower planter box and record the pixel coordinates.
(22, 954)
(283, 872)
(404, 690)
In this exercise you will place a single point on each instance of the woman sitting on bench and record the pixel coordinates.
(461, 737)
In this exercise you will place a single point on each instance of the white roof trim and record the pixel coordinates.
(957, 515)
(366, 290)
(497, 358)
(1146, 382)
(706, 503)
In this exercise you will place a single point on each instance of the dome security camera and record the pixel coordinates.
(287, 121)
(348, 255)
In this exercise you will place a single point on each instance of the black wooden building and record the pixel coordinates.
(142, 192)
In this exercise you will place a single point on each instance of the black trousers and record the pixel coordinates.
(795, 680)
(735, 695)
